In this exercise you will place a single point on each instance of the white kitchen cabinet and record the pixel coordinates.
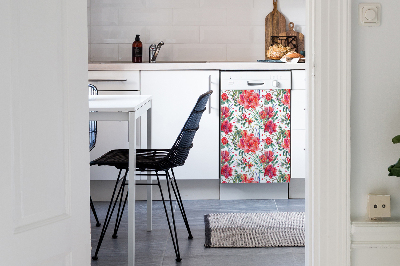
(112, 134)
(174, 96)
(298, 132)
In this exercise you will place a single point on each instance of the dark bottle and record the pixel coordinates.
(137, 50)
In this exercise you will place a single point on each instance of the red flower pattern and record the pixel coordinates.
(286, 144)
(225, 112)
(224, 156)
(248, 142)
(226, 171)
(286, 99)
(244, 153)
(249, 99)
(226, 127)
(268, 112)
(246, 179)
(268, 156)
(270, 171)
(270, 127)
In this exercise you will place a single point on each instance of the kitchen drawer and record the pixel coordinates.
(298, 79)
(115, 80)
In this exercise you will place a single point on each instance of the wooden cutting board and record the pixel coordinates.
(275, 23)
(292, 32)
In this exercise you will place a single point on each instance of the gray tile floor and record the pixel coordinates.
(155, 248)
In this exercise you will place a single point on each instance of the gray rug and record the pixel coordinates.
(271, 229)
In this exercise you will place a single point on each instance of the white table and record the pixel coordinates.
(127, 108)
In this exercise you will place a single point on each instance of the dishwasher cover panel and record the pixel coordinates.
(255, 136)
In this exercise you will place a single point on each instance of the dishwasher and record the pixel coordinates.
(255, 126)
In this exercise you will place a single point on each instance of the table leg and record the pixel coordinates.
(149, 178)
(132, 190)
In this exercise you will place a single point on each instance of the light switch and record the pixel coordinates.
(369, 14)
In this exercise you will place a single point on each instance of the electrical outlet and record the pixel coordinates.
(378, 206)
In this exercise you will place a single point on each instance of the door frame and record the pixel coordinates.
(328, 221)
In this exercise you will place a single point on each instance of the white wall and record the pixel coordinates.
(375, 120)
(375, 108)
(193, 30)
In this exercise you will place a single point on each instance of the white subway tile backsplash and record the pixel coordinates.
(199, 52)
(105, 16)
(294, 10)
(239, 4)
(232, 35)
(226, 3)
(172, 3)
(104, 52)
(299, 28)
(265, 5)
(245, 52)
(214, 3)
(224, 34)
(88, 16)
(258, 35)
(246, 17)
(89, 52)
(173, 34)
(199, 16)
(192, 30)
(145, 17)
(115, 34)
(125, 52)
(119, 3)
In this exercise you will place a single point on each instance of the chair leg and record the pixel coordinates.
(94, 213)
(120, 211)
(109, 212)
(174, 239)
(174, 185)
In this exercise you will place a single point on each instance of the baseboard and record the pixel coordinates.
(375, 243)
(101, 190)
(254, 191)
(297, 188)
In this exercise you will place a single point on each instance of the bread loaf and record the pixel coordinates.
(293, 55)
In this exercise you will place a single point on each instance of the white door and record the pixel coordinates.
(44, 191)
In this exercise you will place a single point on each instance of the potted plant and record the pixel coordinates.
(394, 170)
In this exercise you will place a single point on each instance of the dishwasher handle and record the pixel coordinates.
(249, 83)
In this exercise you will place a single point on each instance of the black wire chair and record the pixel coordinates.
(154, 160)
(92, 143)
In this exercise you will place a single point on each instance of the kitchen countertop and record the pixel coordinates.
(195, 66)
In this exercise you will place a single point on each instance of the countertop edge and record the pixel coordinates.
(194, 66)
